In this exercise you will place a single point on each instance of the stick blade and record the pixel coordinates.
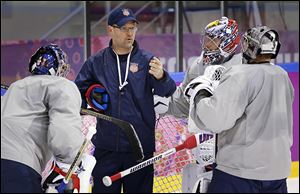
(126, 127)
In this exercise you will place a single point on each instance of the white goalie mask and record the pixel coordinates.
(260, 40)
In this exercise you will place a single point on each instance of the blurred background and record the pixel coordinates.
(169, 29)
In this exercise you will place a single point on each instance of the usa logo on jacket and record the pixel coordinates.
(134, 67)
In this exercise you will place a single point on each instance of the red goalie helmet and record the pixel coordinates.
(220, 41)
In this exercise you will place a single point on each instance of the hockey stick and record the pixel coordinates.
(190, 143)
(63, 184)
(126, 127)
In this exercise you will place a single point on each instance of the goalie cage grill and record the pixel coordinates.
(169, 133)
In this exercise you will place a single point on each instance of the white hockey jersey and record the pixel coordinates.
(251, 110)
(178, 106)
(40, 116)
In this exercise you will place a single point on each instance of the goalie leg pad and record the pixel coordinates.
(195, 178)
(88, 164)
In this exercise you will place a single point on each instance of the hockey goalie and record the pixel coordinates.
(197, 176)
(219, 46)
(40, 119)
(81, 180)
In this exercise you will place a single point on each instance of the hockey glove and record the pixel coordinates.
(80, 180)
(59, 171)
(97, 97)
(196, 85)
(213, 73)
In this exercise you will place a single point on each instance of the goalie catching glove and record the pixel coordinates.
(80, 179)
(200, 85)
(205, 84)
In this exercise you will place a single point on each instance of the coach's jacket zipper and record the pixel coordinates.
(119, 115)
(121, 86)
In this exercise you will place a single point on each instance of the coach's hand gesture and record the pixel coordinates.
(156, 68)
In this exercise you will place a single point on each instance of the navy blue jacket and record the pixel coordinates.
(133, 104)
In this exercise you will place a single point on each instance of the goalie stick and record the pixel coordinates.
(126, 127)
(63, 184)
(190, 143)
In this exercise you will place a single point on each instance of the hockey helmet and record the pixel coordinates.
(259, 41)
(223, 34)
(49, 60)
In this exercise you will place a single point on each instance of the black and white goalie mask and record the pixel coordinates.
(259, 41)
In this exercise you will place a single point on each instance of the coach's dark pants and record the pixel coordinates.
(226, 183)
(19, 178)
(109, 163)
